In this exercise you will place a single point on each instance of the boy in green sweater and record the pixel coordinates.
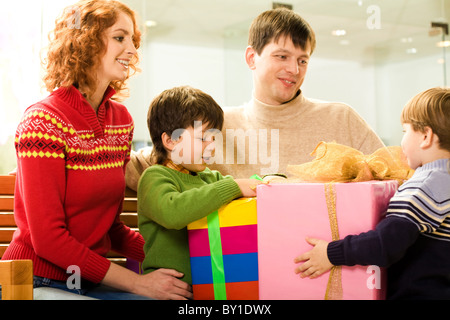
(179, 188)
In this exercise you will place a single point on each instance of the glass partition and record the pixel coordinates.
(372, 54)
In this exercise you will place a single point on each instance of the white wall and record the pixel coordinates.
(24, 26)
(165, 66)
(224, 75)
(343, 81)
(396, 84)
(376, 92)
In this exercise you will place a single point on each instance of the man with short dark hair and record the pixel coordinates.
(281, 126)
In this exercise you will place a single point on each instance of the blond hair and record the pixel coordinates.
(430, 108)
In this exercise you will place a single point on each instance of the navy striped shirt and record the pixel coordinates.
(413, 241)
(425, 200)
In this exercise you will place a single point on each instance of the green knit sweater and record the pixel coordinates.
(168, 200)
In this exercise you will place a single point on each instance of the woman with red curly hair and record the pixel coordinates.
(72, 149)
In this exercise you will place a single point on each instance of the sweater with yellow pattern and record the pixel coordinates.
(70, 186)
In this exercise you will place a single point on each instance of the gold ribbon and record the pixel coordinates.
(339, 163)
(334, 288)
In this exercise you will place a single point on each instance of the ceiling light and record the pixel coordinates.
(151, 23)
(406, 40)
(442, 44)
(411, 51)
(338, 32)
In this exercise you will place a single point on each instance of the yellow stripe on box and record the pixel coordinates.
(238, 212)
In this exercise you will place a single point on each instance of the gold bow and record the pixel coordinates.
(339, 163)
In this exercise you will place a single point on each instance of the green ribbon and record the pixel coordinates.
(256, 177)
(215, 246)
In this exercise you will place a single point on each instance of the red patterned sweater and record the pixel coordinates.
(70, 186)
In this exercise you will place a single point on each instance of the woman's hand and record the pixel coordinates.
(161, 284)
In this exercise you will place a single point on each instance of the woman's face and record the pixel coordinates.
(120, 50)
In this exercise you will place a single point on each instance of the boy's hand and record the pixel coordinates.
(248, 186)
(316, 260)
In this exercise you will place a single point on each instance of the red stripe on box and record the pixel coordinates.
(203, 291)
(247, 290)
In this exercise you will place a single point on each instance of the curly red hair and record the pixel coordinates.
(76, 48)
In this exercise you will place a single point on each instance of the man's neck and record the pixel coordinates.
(295, 96)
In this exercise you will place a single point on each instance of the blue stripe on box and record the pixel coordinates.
(201, 270)
(238, 268)
(241, 267)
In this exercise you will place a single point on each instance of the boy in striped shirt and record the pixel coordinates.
(413, 241)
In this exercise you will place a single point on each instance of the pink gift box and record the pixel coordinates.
(288, 213)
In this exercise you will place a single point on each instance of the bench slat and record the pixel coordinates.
(6, 234)
(3, 247)
(7, 219)
(129, 205)
(7, 183)
(6, 203)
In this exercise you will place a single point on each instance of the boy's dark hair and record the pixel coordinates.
(179, 108)
(273, 24)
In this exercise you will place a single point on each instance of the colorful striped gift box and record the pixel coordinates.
(224, 253)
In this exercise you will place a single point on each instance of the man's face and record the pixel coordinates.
(279, 71)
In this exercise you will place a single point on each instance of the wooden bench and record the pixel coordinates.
(16, 277)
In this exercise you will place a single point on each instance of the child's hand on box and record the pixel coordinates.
(315, 261)
(248, 186)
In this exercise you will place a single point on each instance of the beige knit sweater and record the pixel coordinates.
(263, 139)
(280, 135)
